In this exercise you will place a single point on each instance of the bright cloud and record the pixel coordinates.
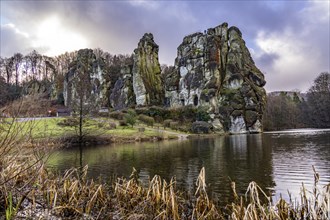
(52, 36)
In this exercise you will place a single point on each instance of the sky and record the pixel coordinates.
(288, 40)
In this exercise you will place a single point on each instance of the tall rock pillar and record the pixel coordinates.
(147, 83)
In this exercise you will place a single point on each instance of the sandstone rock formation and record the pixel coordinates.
(38, 87)
(86, 76)
(215, 69)
(147, 83)
(122, 94)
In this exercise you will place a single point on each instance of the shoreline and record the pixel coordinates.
(137, 137)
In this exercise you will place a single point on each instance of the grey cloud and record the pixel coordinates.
(267, 60)
(117, 26)
(11, 42)
(113, 25)
(249, 16)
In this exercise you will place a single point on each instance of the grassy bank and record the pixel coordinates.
(97, 130)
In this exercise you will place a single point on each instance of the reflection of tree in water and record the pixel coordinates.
(239, 158)
(250, 161)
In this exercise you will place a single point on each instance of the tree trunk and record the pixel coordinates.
(80, 119)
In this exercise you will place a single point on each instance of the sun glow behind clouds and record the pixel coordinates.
(55, 39)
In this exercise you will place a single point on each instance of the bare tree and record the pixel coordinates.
(3, 91)
(9, 64)
(17, 59)
(82, 99)
(282, 112)
(318, 102)
(34, 59)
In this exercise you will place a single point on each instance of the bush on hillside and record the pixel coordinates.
(112, 125)
(167, 123)
(202, 114)
(122, 123)
(147, 120)
(174, 125)
(116, 115)
(158, 113)
(130, 117)
(68, 122)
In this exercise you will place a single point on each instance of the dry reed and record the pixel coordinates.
(37, 193)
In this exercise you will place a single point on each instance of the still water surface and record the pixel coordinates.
(276, 161)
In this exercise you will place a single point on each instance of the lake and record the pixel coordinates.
(276, 161)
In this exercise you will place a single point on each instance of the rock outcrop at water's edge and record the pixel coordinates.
(216, 70)
(213, 70)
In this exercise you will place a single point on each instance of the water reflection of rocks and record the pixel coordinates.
(239, 158)
(263, 158)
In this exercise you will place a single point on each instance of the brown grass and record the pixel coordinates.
(72, 196)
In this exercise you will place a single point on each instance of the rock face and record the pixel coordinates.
(86, 75)
(122, 94)
(38, 87)
(119, 85)
(215, 69)
(147, 83)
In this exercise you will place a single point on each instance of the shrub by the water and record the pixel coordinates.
(186, 127)
(201, 127)
(174, 125)
(183, 114)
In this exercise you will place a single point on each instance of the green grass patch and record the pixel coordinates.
(52, 128)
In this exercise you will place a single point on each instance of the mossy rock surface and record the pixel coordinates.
(219, 61)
